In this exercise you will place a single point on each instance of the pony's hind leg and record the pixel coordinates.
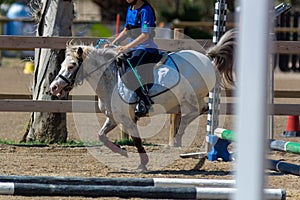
(131, 129)
(184, 122)
(142, 153)
(190, 114)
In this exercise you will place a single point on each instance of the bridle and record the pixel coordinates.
(71, 79)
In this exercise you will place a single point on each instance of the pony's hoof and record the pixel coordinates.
(122, 152)
(177, 143)
(141, 168)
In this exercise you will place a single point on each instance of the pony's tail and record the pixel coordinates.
(222, 56)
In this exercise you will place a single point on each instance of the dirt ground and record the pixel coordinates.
(94, 161)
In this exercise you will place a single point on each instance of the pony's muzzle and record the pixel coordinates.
(55, 88)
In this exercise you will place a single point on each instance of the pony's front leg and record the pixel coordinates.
(107, 127)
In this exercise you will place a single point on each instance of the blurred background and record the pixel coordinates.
(99, 18)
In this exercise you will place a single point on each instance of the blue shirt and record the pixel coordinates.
(145, 24)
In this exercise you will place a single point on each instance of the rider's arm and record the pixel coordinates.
(122, 36)
(140, 39)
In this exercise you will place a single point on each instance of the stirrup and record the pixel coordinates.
(141, 109)
(147, 98)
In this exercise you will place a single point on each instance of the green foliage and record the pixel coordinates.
(7, 2)
(28, 144)
(129, 142)
(70, 143)
(98, 30)
(13, 1)
(169, 16)
(282, 1)
(125, 141)
(196, 33)
(73, 143)
(191, 12)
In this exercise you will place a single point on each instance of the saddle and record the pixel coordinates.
(165, 72)
(130, 74)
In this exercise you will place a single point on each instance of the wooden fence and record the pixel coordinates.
(24, 103)
(8, 103)
(85, 106)
(286, 29)
(288, 26)
(30, 43)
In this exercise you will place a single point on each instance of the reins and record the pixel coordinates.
(99, 43)
(71, 80)
(109, 61)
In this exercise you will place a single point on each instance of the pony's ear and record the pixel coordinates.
(69, 43)
(79, 52)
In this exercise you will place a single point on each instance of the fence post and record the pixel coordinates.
(175, 118)
(283, 59)
(118, 24)
(1, 33)
(123, 134)
(295, 38)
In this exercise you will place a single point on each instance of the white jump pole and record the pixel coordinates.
(252, 57)
(34, 189)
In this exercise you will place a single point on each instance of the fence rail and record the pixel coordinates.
(24, 19)
(229, 93)
(80, 106)
(229, 25)
(288, 24)
(30, 43)
(89, 104)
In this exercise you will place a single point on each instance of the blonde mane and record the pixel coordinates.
(92, 57)
(88, 50)
(71, 49)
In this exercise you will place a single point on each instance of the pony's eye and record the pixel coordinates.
(71, 67)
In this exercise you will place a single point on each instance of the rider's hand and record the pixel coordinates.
(108, 46)
(122, 49)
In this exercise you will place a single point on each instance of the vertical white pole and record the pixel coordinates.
(253, 55)
(215, 94)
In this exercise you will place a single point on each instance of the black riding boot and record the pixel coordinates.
(144, 104)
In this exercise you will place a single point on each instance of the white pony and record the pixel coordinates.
(197, 76)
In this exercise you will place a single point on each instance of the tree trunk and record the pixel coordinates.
(55, 19)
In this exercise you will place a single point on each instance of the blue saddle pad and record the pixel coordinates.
(166, 76)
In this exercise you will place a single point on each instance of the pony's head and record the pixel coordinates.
(65, 80)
